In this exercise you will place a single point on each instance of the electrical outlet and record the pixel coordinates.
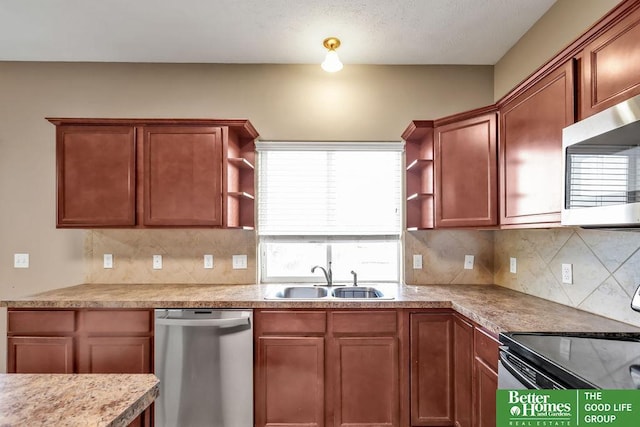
(513, 265)
(417, 262)
(567, 274)
(208, 261)
(157, 262)
(107, 261)
(20, 260)
(468, 262)
(239, 262)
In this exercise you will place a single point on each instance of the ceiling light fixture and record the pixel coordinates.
(331, 62)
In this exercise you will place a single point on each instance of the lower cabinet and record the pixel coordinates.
(453, 379)
(485, 378)
(327, 368)
(81, 341)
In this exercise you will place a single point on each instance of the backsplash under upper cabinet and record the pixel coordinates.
(182, 252)
(606, 267)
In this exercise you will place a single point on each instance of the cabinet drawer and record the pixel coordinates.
(116, 321)
(291, 322)
(486, 348)
(41, 322)
(366, 322)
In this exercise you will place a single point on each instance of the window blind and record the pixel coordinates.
(329, 189)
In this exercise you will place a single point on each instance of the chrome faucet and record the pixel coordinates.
(327, 274)
(355, 278)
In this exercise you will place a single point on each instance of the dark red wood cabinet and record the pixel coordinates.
(485, 378)
(327, 368)
(96, 176)
(530, 149)
(609, 72)
(81, 341)
(466, 170)
(155, 173)
(432, 368)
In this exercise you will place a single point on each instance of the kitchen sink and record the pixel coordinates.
(301, 292)
(336, 292)
(357, 292)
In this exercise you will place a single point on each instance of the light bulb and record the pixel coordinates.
(331, 62)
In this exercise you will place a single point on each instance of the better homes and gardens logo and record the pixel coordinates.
(547, 408)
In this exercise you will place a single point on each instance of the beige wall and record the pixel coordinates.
(564, 22)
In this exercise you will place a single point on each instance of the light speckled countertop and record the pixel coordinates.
(74, 400)
(496, 308)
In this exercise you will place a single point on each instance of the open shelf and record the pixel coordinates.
(241, 162)
(418, 165)
(241, 194)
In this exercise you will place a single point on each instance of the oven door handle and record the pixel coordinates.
(515, 372)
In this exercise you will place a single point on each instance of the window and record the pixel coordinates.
(330, 202)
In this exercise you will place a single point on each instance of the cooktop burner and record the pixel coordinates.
(606, 361)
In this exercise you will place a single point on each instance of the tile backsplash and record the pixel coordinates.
(443, 253)
(606, 267)
(606, 264)
(182, 252)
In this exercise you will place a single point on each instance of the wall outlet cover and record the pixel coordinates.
(157, 262)
(21, 260)
(513, 265)
(208, 261)
(239, 262)
(107, 261)
(417, 262)
(567, 274)
(468, 262)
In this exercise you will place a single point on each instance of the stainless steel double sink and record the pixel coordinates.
(300, 292)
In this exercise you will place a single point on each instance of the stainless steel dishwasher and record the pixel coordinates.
(204, 360)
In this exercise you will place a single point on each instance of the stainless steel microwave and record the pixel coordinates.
(601, 164)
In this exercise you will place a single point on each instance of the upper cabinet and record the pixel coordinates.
(466, 170)
(150, 173)
(531, 149)
(610, 66)
(96, 175)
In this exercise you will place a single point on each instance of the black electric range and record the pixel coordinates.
(569, 361)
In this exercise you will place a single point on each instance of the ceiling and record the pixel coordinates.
(264, 31)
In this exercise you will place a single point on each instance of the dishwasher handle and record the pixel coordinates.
(210, 323)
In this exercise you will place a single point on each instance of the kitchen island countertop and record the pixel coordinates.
(496, 308)
(74, 399)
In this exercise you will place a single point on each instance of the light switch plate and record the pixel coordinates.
(107, 261)
(417, 262)
(20, 260)
(513, 265)
(157, 262)
(468, 262)
(567, 274)
(208, 261)
(239, 262)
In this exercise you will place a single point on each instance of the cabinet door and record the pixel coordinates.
(531, 150)
(431, 369)
(40, 355)
(96, 176)
(114, 355)
(289, 375)
(463, 372)
(486, 384)
(182, 176)
(610, 67)
(365, 381)
(466, 175)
